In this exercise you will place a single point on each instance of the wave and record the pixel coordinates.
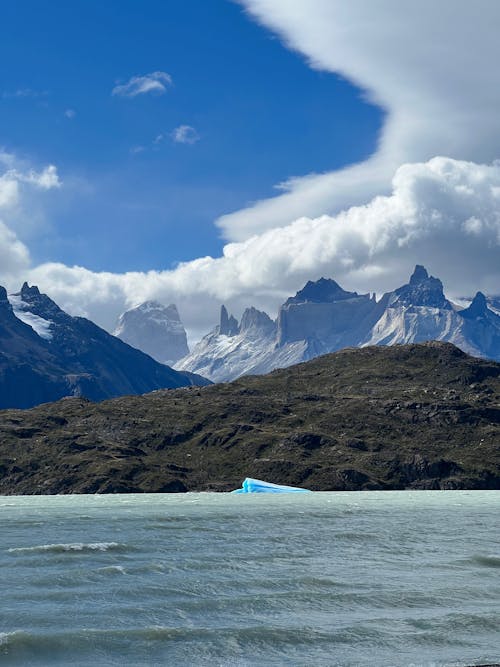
(486, 561)
(80, 547)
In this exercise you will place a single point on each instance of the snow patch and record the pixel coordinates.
(21, 310)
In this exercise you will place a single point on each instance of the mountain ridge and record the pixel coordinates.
(323, 317)
(47, 354)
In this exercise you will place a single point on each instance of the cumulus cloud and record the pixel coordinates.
(443, 213)
(428, 65)
(15, 181)
(14, 255)
(185, 134)
(156, 82)
(10, 180)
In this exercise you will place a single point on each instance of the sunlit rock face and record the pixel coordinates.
(325, 316)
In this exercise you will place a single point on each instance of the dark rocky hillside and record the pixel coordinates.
(421, 416)
(75, 358)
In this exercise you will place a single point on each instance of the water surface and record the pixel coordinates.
(363, 579)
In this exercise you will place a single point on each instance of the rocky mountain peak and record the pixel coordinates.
(40, 304)
(27, 291)
(155, 329)
(149, 307)
(324, 290)
(419, 275)
(422, 290)
(228, 325)
(478, 307)
(255, 319)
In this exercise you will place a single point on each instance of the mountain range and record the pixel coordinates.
(46, 354)
(322, 317)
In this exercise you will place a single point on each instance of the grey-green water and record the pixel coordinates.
(369, 579)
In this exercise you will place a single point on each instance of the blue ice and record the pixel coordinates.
(251, 485)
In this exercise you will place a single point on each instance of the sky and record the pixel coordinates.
(209, 152)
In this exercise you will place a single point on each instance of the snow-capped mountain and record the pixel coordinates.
(417, 312)
(45, 354)
(233, 349)
(323, 317)
(155, 329)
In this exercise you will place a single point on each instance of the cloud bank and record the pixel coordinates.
(444, 213)
(430, 66)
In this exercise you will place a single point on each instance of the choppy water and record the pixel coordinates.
(352, 579)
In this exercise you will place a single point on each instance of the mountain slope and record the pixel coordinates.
(233, 349)
(415, 416)
(47, 354)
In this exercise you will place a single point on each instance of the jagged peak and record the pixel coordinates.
(26, 290)
(253, 318)
(324, 290)
(419, 275)
(228, 325)
(477, 308)
(422, 290)
(39, 304)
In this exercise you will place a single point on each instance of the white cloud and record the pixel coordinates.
(430, 66)
(156, 82)
(46, 179)
(185, 134)
(14, 256)
(70, 113)
(426, 219)
(15, 183)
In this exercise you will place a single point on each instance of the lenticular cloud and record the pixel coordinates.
(428, 65)
(444, 213)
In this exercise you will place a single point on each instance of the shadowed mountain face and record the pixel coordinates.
(323, 317)
(46, 354)
(414, 416)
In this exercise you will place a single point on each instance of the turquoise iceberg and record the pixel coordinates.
(258, 486)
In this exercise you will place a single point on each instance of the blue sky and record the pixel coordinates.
(380, 119)
(133, 198)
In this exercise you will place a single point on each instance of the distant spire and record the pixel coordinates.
(228, 324)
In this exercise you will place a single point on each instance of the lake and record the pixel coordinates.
(404, 578)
